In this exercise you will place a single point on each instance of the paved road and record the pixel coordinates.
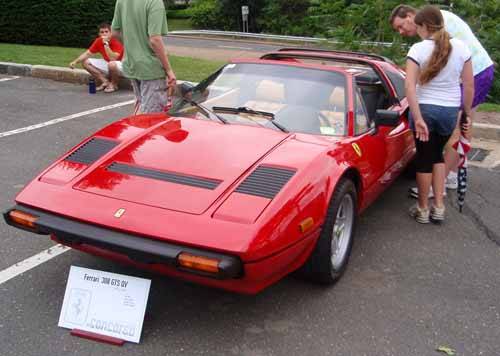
(220, 49)
(408, 289)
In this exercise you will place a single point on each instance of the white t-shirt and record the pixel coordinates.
(443, 89)
(457, 28)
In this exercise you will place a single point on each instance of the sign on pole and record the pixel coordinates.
(244, 14)
(105, 303)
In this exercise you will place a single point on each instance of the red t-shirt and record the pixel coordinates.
(98, 47)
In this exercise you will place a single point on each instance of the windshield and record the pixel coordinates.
(301, 99)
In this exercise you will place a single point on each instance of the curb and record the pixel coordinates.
(486, 131)
(60, 74)
(80, 76)
(15, 69)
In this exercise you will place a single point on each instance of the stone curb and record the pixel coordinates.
(61, 74)
(15, 69)
(68, 75)
(80, 76)
(486, 131)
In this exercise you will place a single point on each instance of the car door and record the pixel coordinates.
(381, 151)
(399, 139)
(369, 153)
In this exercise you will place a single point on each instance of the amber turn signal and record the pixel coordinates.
(23, 219)
(198, 263)
(306, 224)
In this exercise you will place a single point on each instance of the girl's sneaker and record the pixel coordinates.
(437, 214)
(420, 215)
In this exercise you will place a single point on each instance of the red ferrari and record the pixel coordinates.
(257, 171)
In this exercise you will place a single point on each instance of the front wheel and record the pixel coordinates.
(329, 259)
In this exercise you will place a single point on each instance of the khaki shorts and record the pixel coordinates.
(151, 95)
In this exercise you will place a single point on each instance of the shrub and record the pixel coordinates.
(179, 14)
(204, 14)
(71, 23)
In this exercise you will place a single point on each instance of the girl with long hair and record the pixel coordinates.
(435, 67)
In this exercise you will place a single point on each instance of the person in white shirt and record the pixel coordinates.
(435, 68)
(402, 21)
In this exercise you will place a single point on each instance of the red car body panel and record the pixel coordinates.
(264, 233)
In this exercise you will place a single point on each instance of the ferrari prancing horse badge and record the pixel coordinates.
(119, 213)
(357, 149)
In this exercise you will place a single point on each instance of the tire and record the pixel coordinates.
(327, 263)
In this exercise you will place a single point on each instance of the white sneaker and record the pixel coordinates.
(437, 214)
(414, 193)
(421, 216)
(451, 181)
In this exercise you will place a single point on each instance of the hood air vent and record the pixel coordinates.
(206, 183)
(265, 181)
(91, 151)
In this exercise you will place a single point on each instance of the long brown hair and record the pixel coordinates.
(431, 17)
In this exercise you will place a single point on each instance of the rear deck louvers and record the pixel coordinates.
(91, 151)
(265, 181)
(199, 182)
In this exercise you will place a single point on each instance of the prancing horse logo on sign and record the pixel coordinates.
(119, 213)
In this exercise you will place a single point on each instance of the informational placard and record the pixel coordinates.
(105, 303)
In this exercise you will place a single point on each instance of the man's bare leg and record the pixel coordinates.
(96, 73)
(114, 74)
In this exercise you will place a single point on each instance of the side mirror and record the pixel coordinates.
(387, 118)
(184, 89)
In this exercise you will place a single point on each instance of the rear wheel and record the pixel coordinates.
(329, 259)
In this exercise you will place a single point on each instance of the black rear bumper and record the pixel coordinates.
(138, 248)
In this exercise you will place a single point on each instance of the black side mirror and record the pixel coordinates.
(184, 89)
(387, 118)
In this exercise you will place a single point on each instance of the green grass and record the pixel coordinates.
(489, 107)
(185, 68)
(179, 24)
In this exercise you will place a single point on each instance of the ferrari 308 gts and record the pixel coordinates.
(257, 171)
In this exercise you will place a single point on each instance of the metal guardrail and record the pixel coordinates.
(268, 37)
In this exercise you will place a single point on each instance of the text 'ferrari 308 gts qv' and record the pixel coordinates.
(257, 171)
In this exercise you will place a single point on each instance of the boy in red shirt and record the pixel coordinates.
(110, 66)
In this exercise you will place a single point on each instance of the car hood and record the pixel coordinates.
(183, 165)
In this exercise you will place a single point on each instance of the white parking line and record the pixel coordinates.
(32, 262)
(7, 79)
(65, 118)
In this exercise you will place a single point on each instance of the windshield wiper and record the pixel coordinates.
(246, 110)
(208, 113)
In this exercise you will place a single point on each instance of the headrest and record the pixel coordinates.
(337, 98)
(268, 90)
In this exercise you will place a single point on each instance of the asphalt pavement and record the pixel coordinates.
(408, 290)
